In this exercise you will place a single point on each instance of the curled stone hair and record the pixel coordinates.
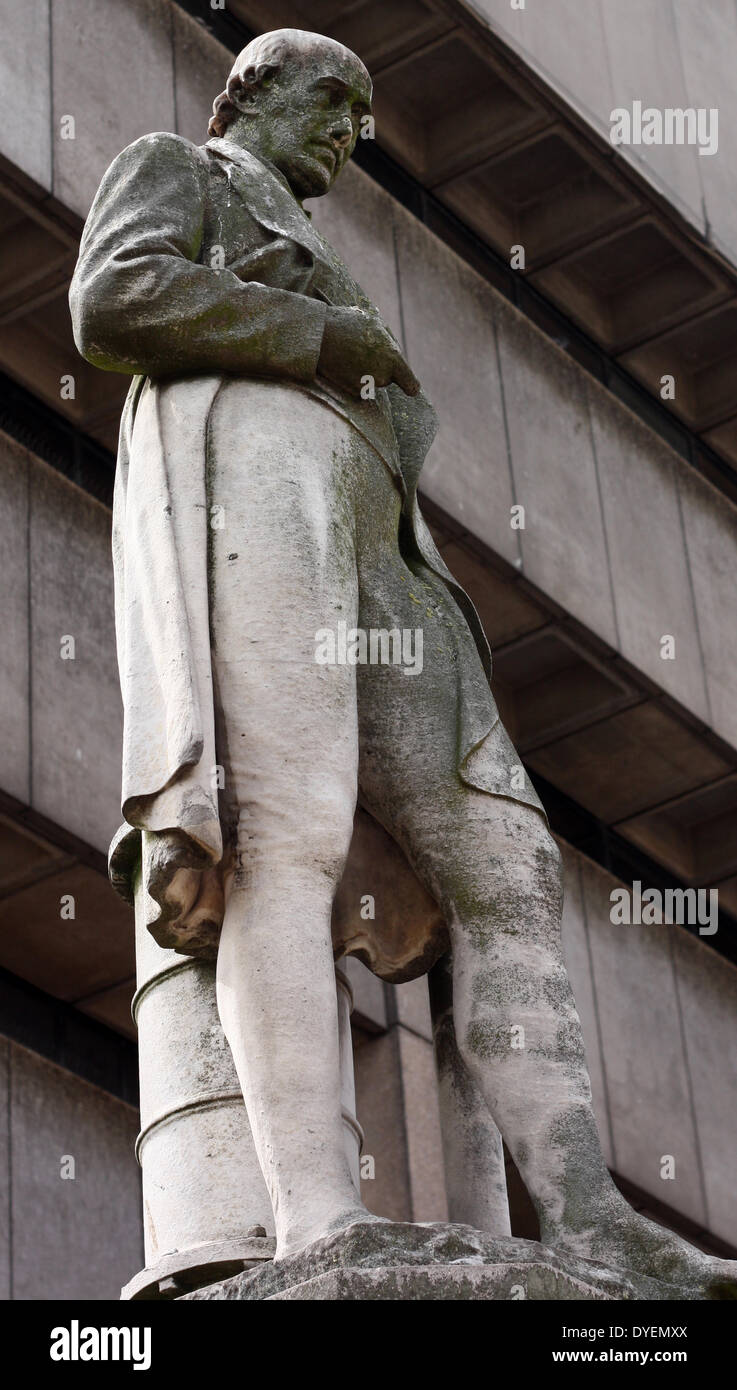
(261, 59)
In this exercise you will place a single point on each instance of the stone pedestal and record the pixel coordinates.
(377, 1260)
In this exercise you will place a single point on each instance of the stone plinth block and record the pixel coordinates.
(383, 1260)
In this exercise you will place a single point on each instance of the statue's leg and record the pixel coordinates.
(495, 869)
(515, 1019)
(521, 1037)
(277, 1003)
(473, 1153)
(281, 569)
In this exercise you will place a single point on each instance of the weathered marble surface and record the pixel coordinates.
(396, 1260)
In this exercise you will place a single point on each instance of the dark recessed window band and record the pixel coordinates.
(428, 209)
(63, 1035)
(56, 440)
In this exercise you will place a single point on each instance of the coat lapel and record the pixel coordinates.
(268, 199)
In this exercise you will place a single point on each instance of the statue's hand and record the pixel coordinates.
(355, 344)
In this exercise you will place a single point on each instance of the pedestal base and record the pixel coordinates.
(400, 1261)
(183, 1270)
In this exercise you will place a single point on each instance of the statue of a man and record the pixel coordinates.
(266, 496)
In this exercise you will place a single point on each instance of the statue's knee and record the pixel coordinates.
(306, 834)
(326, 830)
(514, 886)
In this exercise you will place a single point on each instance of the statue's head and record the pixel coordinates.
(296, 99)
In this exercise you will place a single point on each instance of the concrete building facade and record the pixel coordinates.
(589, 509)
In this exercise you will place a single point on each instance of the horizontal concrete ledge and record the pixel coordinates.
(53, 832)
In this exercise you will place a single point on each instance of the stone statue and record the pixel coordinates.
(266, 510)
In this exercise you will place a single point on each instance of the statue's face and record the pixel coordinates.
(309, 119)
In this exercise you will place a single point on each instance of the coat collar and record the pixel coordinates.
(268, 197)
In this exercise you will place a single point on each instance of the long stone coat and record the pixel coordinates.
(197, 262)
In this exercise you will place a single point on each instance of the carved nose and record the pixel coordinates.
(341, 133)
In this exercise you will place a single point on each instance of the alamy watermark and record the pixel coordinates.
(673, 906)
(673, 126)
(358, 646)
(78, 1343)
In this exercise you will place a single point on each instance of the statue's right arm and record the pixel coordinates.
(141, 304)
